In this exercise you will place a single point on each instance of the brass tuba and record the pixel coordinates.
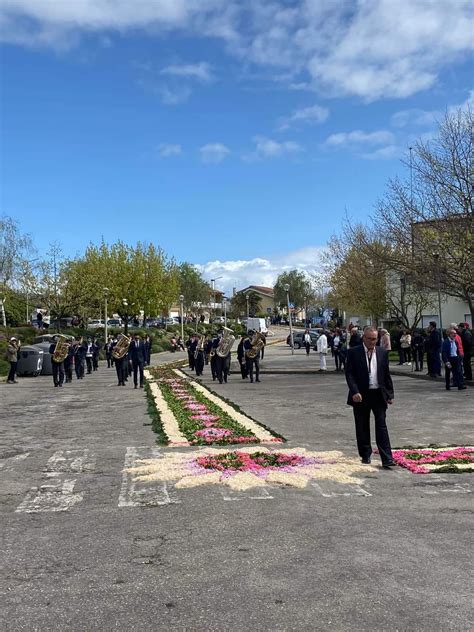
(121, 348)
(200, 345)
(61, 349)
(226, 343)
(257, 342)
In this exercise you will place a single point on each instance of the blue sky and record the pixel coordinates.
(234, 134)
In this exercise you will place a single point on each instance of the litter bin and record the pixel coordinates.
(30, 361)
(47, 366)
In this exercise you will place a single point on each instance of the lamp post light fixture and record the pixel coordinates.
(106, 296)
(287, 290)
(125, 306)
(181, 310)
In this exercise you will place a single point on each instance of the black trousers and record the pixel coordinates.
(191, 360)
(308, 347)
(214, 366)
(467, 366)
(95, 362)
(337, 358)
(121, 368)
(68, 369)
(418, 354)
(58, 372)
(406, 354)
(222, 366)
(243, 368)
(455, 370)
(12, 372)
(138, 368)
(199, 363)
(109, 360)
(434, 362)
(79, 367)
(89, 364)
(373, 402)
(251, 363)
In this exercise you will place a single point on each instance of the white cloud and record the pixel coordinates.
(310, 115)
(240, 273)
(201, 71)
(214, 153)
(384, 153)
(370, 48)
(269, 148)
(165, 150)
(416, 117)
(358, 137)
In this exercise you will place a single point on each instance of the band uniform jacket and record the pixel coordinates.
(137, 351)
(357, 373)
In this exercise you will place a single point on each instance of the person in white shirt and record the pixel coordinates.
(307, 341)
(322, 347)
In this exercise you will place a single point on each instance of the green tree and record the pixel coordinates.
(193, 287)
(301, 291)
(238, 304)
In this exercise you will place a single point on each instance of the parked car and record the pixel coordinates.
(114, 322)
(298, 337)
(97, 323)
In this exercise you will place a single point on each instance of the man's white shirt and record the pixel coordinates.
(372, 368)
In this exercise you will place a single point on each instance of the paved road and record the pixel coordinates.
(85, 549)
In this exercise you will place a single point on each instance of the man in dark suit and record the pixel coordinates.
(138, 355)
(370, 389)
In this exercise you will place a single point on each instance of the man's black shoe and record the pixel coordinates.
(257, 380)
(462, 388)
(388, 464)
(366, 461)
(448, 388)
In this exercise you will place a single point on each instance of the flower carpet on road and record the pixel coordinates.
(190, 415)
(248, 467)
(429, 460)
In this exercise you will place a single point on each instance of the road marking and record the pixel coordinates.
(57, 496)
(71, 461)
(10, 461)
(136, 494)
(330, 489)
(257, 493)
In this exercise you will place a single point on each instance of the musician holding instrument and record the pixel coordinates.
(213, 357)
(120, 356)
(80, 349)
(199, 356)
(58, 350)
(253, 348)
(223, 350)
(241, 357)
(69, 363)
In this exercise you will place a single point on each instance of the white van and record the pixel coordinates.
(257, 324)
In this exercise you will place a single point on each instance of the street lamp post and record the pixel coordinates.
(247, 298)
(181, 305)
(125, 306)
(224, 301)
(438, 283)
(287, 290)
(106, 318)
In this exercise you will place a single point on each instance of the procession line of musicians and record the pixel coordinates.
(83, 355)
(202, 352)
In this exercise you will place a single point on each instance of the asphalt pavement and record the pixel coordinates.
(84, 549)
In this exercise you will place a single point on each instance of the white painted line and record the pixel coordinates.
(259, 493)
(9, 462)
(331, 489)
(71, 461)
(136, 494)
(51, 498)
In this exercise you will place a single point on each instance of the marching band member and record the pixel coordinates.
(138, 356)
(214, 344)
(89, 354)
(95, 354)
(252, 362)
(68, 363)
(241, 357)
(58, 367)
(80, 348)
